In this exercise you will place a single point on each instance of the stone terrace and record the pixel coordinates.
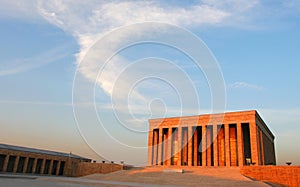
(208, 176)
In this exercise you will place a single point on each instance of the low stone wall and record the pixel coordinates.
(284, 175)
(85, 168)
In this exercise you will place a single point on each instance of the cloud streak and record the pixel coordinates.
(33, 103)
(238, 85)
(88, 21)
(21, 65)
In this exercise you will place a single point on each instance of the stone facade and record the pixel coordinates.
(86, 168)
(18, 159)
(229, 139)
(280, 175)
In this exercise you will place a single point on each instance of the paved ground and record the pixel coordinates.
(208, 176)
(148, 177)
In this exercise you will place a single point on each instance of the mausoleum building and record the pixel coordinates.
(227, 139)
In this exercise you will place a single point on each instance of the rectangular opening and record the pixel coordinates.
(47, 166)
(30, 165)
(194, 146)
(38, 166)
(247, 145)
(2, 159)
(199, 161)
(62, 168)
(11, 163)
(54, 167)
(210, 146)
(21, 164)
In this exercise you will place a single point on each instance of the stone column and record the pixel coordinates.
(150, 146)
(221, 146)
(34, 165)
(254, 142)
(227, 145)
(179, 146)
(160, 143)
(166, 138)
(43, 166)
(155, 139)
(5, 163)
(195, 137)
(215, 143)
(58, 167)
(16, 164)
(233, 145)
(203, 142)
(190, 141)
(169, 156)
(25, 164)
(240, 144)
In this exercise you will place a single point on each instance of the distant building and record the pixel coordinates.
(18, 159)
(230, 139)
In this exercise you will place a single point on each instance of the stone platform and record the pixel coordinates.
(191, 176)
(142, 177)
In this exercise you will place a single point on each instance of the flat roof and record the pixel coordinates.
(208, 115)
(41, 151)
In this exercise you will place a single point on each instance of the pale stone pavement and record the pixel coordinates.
(143, 177)
(208, 176)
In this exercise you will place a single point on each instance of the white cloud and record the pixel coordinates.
(91, 20)
(232, 5)
(19, 9)
(246, 85)
(88, 21)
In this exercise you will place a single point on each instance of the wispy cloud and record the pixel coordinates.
(88, 21)
(237, 85)
(19, 9)
(97, 18)
(33, 103)
(25, 64)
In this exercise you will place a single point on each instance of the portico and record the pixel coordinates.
(229, 139)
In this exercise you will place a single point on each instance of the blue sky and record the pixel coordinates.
(256, 45)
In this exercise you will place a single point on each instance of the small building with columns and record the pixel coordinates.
(227, 139)
(17, 159)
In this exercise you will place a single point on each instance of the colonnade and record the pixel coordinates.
(25, 164)
(233, 144)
